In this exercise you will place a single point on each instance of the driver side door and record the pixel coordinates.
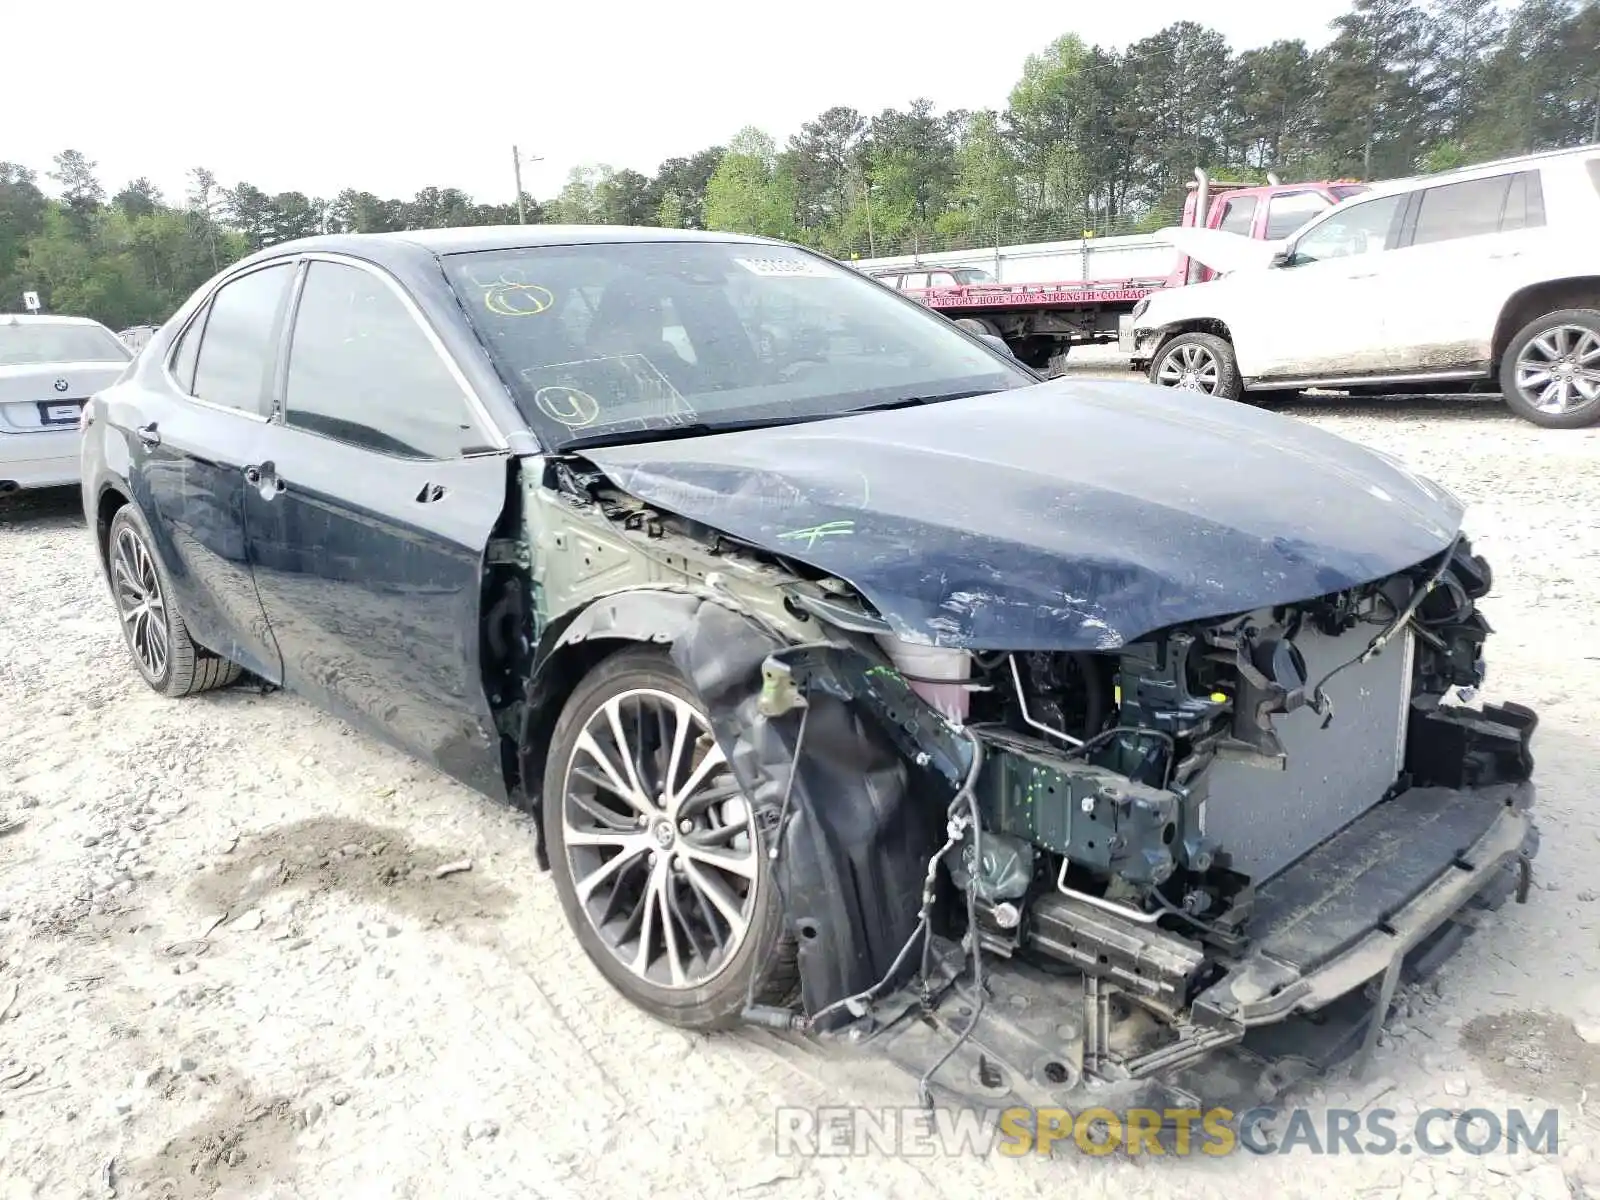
(1318, 313)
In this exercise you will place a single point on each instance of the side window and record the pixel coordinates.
(888, 280)
(1239, 216)
(918, 280)
(237, 348)
(1461, 210)
(1288, 212)
(362, 371)
(1524, 203)
(1355, 227)
(941, 279)
(187, 350)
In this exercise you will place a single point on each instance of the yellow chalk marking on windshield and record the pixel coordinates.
(514, 299)
(567, 405)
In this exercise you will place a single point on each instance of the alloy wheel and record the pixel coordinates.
(140, 603)
(659, 840)
(1558, 371)
(1191, 367)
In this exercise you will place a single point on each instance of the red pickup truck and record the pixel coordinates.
(1041, 321)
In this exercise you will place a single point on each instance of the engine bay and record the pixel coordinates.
(1200, 833)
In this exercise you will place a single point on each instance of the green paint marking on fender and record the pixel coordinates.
(827, 529)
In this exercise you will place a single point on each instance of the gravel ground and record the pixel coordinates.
(230, 963)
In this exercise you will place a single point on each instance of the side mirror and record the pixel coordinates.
(1283, 257)
(997, 343)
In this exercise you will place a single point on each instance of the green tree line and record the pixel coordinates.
(1090, 139)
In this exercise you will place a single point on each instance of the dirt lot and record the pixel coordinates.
(229, 964)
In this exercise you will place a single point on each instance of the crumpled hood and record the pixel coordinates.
(1069, 515)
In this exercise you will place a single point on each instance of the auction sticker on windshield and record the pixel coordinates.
(785, 267)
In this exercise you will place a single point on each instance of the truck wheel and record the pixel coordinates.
(1550, 373)
(1198, 362)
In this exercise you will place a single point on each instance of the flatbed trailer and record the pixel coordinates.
(1042, 321)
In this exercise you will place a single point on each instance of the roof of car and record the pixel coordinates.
(465, 239)
(1471, 171)
(45, 319)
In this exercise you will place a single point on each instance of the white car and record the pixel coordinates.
(1485, 274)
(49, 366)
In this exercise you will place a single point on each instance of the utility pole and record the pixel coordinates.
(516, 167)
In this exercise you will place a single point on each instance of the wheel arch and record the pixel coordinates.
(1529, 303)
(572, 647)
(1211, 325)
(112, 499)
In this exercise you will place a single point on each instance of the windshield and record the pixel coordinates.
(607, 340)
(25, 345)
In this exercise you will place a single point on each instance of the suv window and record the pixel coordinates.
(1355, 227)
(1471, 208)
(1238, 216)
(237, 347)
(1286, 213)
(1524, 203)
(362, 371)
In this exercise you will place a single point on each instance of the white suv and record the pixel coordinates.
(1486, 273)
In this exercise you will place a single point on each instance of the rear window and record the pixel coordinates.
(1459, 210)
(1287, 213)
(24, 345)
(1239, 216)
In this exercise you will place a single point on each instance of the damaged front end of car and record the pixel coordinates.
(1106, 866)
(1192, 864)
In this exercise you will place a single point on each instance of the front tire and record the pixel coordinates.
(167, 658)
(1550, 373)
(655, 850)
(1198, 362)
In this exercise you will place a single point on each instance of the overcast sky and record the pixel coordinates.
(318, 95)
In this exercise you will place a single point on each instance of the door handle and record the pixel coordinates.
(148, 434)
(252, 475)
(1508, 254)
(432, 493)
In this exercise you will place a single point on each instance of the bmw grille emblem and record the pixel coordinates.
(62, 385)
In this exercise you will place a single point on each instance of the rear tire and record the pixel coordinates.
(1198, 362)
(167, 658)
(1550, 373)
(690, 926)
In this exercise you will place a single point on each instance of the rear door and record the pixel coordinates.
(192, 435)
(1463, 253)
(373, 494)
